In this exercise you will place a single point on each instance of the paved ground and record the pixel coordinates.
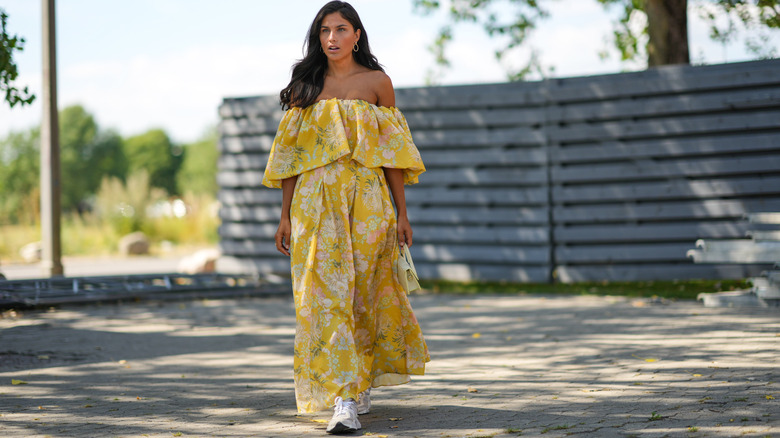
(502, 367)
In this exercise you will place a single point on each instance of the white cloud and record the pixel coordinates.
(179, 92)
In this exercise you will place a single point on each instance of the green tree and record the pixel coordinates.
(486, 12)
(154, 152)
(87, 155)
(666, 31)
(663, 39)
(198, 173)
(19, 176)
(8, 70)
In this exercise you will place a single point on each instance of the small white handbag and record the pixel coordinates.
(407, 275)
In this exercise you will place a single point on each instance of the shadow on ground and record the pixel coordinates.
(546, 366)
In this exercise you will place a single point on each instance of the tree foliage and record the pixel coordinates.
(8, 70)
(19, 182)
(154, 152)
(87, 155)
(198, 172)
(726, 19)
(514, 30)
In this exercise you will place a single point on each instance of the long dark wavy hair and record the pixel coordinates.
(308, 74)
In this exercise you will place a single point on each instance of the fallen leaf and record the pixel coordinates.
(395, 419)
(318, 420)
(18, 382)
(473, 390)
(43, 357)
(646, 359)
(476, 335)
(769, 397)
(122, 362)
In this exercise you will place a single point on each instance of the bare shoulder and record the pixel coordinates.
(383, 87)
(379, 78)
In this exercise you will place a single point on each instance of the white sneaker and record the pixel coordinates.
(364, 402)
(344, 417)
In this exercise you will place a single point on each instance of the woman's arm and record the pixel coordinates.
(395, 177)
(282, 235)
(395, 180)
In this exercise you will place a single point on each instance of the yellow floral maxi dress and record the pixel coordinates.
(355, 328)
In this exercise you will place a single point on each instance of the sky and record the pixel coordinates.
(144, 64)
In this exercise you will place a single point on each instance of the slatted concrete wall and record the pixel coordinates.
(643, 162)
(605, 177)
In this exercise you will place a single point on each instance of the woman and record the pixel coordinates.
(339, 148)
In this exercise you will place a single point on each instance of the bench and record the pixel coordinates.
(762, 246)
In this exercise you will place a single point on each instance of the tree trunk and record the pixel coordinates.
(668, 31)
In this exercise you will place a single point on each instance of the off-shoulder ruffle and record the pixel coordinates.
(324, 132)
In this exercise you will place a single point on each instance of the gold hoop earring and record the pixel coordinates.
(355, 48)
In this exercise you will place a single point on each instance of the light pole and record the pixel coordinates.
(51, 257)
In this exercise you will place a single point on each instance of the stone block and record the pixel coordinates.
(134, 244)
(32, 252)
(202, 261)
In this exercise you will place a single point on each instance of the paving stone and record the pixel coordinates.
(503, 366)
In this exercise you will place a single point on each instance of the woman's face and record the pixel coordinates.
(337, 36)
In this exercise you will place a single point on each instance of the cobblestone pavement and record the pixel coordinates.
(503, 366)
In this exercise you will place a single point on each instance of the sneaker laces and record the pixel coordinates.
(342, 406)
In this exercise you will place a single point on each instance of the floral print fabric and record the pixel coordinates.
(330, 129)
(355, 326)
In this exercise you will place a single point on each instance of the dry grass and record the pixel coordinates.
(14, 237)
(91, 235)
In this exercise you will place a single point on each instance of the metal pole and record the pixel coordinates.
(51, 262)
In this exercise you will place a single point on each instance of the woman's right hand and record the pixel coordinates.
(282, 237)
